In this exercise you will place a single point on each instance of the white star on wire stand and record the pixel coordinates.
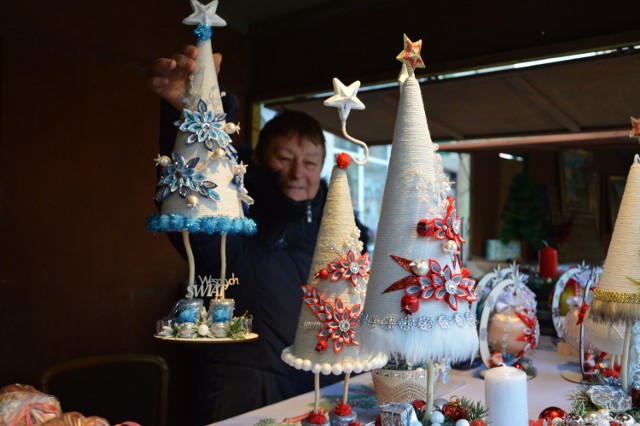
(345, 98)
(204, 14)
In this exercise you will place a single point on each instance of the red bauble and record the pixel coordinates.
(410, 304)
(355, 423)
(551, 413)
(453, 411)
(425, 227)
(418, 404)
(343, 160)
(321, 345)
(322, 274)
(477, 422)
(518, 366)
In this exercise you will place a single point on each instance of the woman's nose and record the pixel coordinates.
(296, 169)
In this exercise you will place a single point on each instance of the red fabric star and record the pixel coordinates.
(635, 128)
(531, 332)
(411, 55)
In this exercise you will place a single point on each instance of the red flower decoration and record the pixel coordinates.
(339, 321)
(454, 224)
(449, 226)
(438, 283)
(350, 266)
(449, 286)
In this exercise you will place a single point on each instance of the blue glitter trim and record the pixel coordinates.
(203, 32)
(208, 225)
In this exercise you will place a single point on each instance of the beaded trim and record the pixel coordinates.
(401, 374)
(424, 323)
(616, 297)
(207, 225)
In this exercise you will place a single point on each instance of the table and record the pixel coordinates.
(547, 389)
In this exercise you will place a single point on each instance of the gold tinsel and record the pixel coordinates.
(616, 297)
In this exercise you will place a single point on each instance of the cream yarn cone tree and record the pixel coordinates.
(617, 298)
(202, 185)
(417, 303)
(326, 340)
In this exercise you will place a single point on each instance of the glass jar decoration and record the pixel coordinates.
(186, 310)
(221, 310)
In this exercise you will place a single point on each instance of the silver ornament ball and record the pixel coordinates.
(557, 421)
(573, 419)
(590, 418)
(439, 402)
(625, 419)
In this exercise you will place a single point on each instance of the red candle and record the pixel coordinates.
(548, 262)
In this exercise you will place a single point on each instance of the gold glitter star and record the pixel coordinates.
(411, 55)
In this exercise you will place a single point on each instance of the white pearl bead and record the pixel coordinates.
(218, 153)
(462, 422)
(192, 201)
(420, 267)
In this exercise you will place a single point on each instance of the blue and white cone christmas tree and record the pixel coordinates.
(201, 188)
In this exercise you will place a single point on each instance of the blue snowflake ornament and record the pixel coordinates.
(182, 176)
(205, 127)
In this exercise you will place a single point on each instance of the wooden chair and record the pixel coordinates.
(117, 387)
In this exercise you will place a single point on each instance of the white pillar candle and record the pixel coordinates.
(506, 396)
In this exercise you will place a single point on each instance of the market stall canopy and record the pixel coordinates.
(584, 101)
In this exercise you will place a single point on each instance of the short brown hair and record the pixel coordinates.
(287, 123)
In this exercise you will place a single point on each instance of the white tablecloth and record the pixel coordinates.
(547, 389)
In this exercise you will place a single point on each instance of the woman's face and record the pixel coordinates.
(298, 163)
